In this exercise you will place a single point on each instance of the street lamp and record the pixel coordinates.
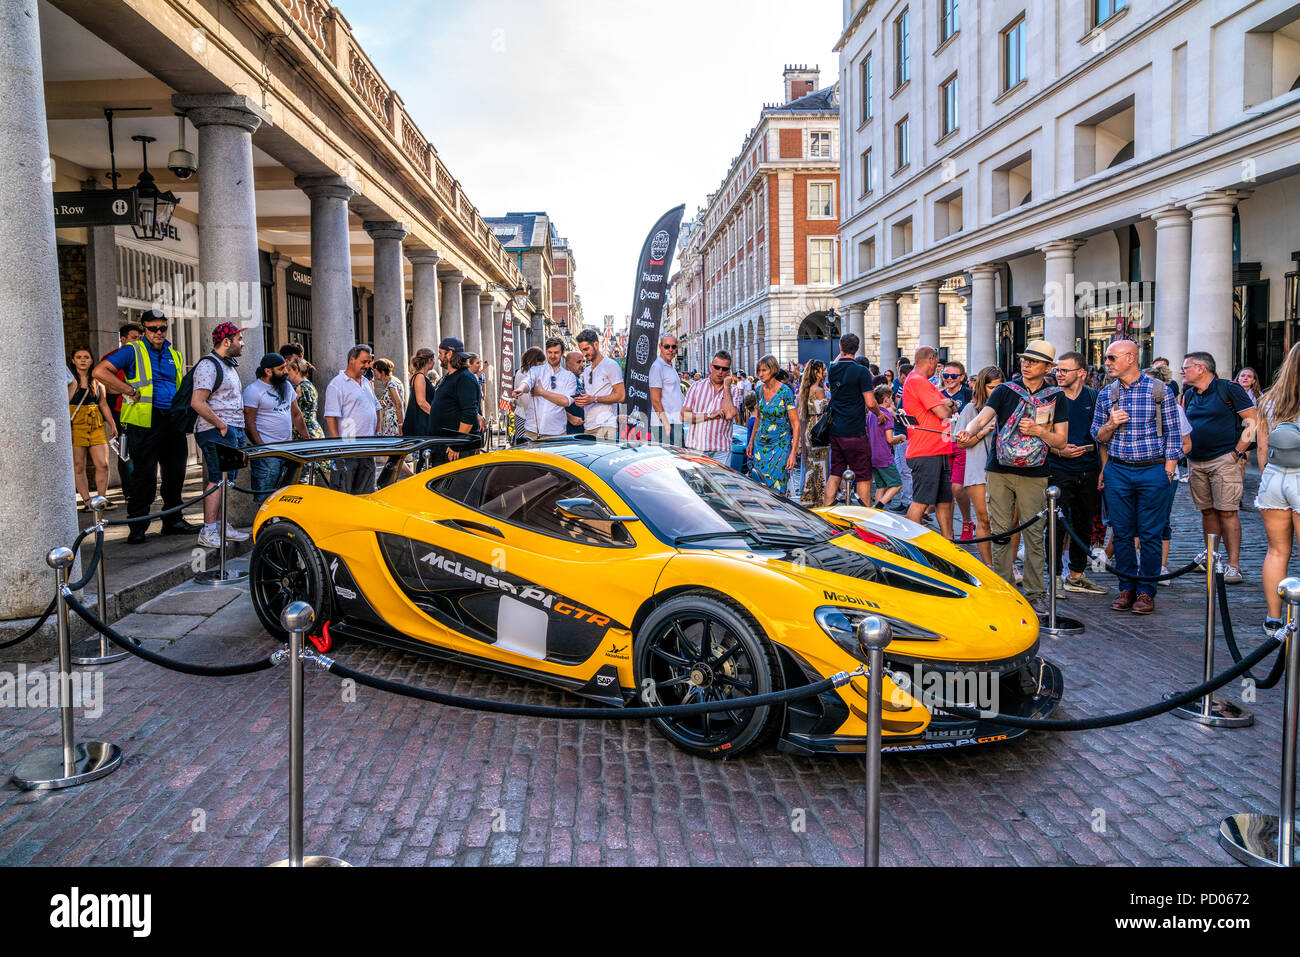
(153, 207)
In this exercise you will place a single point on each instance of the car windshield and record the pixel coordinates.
(691, 500)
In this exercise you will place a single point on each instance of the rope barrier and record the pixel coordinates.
(1178, 573)
(202, 671)
(591, 714)
(1001, 538)
(1279, 666)
(130, 520)
(75, 586)
(1125, 717)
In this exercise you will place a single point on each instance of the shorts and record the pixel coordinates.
(931, 479)
(959, 466)
(851, 452)
(887, 477)
(604, 433)
(1217, 483)
(1279, 488)
(88, 428)
(208, 440)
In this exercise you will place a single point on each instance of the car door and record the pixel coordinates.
(504, 566)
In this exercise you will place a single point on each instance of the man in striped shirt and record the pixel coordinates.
(1136, 420)
(710, 408)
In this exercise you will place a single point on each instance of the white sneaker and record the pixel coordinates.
(210, 537)
(235, 535)
(1231, 575)
(1164, 570)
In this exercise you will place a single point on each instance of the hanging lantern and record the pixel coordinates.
(154, 208)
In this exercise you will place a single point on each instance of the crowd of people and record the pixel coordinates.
(925, 439)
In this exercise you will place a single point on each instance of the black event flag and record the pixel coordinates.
(647, 310)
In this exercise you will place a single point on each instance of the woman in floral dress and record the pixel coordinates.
(772, 447)
(812, 404)
(299, 371)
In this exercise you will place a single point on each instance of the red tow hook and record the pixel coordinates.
(323, 641)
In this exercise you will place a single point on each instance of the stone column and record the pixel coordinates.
(486, 309)
(453, 322)
(425, 324)
(1059, 324)
(228, 267)
(928, 298)
(280, 299)
(469, 294)
(1210, 323)
(888, 331)
(101, 284)
(858, 323)
(390, 292)
(1173, 280)
(333, 332)
(37, 497)
(982, 349)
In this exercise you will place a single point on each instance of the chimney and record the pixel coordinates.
(800, 80)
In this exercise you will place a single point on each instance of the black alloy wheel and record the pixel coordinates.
(286, 567)
(695, 648)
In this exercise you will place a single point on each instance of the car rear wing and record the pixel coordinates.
(304, 452)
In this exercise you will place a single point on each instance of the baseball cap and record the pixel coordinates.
(452, 344)
(272, 360)
(226, 330)
(153, 315)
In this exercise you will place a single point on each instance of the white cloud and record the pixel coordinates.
(605, 114)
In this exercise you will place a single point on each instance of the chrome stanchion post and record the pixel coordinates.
(71, 763)
(95, 651)
(1057, 625)
(873, 635)
(297, 618)
(1213, 710)
(220, 577)
(1261, 839)
(850, 482)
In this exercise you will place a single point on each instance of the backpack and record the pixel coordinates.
(1284, 445)
(1014, 449)
(185, 415)
(1158, 392)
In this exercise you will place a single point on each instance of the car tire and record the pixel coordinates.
(738, 661)
(286, 567)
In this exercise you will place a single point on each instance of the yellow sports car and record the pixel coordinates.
(638, 575)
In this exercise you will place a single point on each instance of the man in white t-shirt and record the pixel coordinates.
(271, 414)
(603, 389)
(352, 411)
(666, 394)
(220, 408)
(552, 387)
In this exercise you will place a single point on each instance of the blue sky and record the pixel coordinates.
(604, 113)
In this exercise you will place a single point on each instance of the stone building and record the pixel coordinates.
(312, 208)
(767, 244)
(1082, 171)
(530, 240)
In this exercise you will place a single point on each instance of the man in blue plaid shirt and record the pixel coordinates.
(1142, 461)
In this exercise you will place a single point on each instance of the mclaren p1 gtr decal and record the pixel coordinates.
(491, 605)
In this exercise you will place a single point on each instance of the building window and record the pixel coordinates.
(948, 106)
(1272, 59)
(947, 215)
(868, 88)
(902, 235)
(821, 262)
(1105, 9)
(1015, 53)
(866, 255)
(868, 172)
(902, 54)
(1013, 184)
(819, 145)
(902, 148)
(948, 18)
(820, 203)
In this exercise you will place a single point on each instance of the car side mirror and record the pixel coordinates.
(585, 510)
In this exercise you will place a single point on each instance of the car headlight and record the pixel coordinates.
(842, 626)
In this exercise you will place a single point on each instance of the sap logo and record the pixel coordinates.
(132, 911)
(291, 499)
(604, 680)
(848, 599)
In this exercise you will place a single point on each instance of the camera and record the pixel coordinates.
(182, 163)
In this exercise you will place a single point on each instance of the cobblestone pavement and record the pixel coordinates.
(391, 780)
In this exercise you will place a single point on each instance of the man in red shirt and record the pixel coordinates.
(929, 442)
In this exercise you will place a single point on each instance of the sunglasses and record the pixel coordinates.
(1110, 359)
(723, 368)
(162, 328)
(952, 375)
(552, 382)
(669, 348)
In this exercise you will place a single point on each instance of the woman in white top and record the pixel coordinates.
(979, 446)
(1278, 499)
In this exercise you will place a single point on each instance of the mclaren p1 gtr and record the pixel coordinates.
(634, 575)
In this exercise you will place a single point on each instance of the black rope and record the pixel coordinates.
(127, 644)
(248, 491)
(592, 714)
(1000, 537)
(75, 586)
(163, 514)
(1279, 666)
(1178, 573)
(1126, 717)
